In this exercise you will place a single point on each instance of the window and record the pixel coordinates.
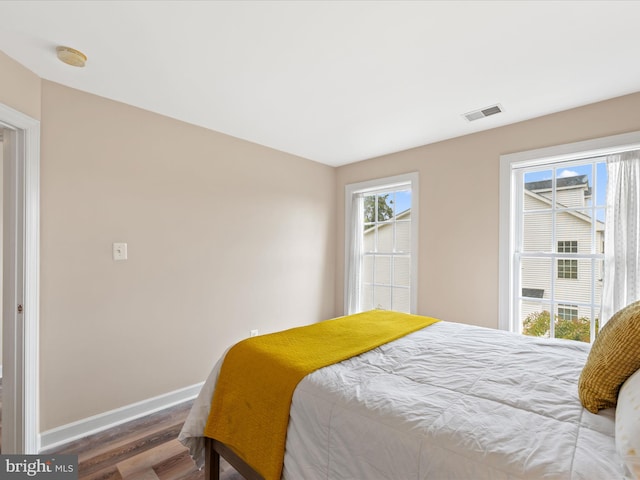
(380, 244)
(552, 208)
(567, 268)
(567, 312)
(556, 204)
(568, 247)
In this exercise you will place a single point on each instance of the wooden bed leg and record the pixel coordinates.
(214, 450)
(211, 461)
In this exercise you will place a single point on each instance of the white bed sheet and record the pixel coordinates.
(451, 401)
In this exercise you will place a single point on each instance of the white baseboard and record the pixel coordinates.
(103, 421)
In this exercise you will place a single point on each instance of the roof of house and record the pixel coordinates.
(577, 180)
(563, 182)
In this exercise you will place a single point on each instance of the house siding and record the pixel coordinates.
(536, 273)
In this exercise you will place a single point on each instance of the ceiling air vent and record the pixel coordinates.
(485, 112)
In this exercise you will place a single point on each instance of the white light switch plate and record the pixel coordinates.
(119, 251)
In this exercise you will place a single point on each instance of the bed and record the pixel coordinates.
(450, 401)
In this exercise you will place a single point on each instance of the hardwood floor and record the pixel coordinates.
(144, 449)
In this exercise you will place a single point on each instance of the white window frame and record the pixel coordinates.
(410, 179)
(508, 204)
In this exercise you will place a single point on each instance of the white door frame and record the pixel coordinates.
(21, 280)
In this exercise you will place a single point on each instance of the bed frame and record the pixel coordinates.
(214, 450)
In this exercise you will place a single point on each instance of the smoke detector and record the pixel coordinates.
(484, 112)
(71, 56)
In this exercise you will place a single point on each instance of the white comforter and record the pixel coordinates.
(450, 401)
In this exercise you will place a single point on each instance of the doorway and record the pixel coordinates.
(20, 280)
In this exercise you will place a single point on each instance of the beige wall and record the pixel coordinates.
(224, 236)
(459, 203)
(19, 87)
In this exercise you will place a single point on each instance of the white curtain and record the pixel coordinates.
(355, 254)
(622, 235)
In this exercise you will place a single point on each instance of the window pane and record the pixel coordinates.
(383, 270)
(600, 186)
(536, 236)
(574, 226)
(402, 271)
(402, 201)
(369, 240)
(385, 238)
(366, 298)
(401, 300)
(577, 288)
(536, 276)
(369, 210)
(367, 268)
(572, 322)
(382, 297)
(403, 236)
(535, 318)
(574, 186)
(384, 207)
(599, 277)
(537, 190)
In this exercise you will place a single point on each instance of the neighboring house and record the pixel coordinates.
(574, 234)
(387, 268)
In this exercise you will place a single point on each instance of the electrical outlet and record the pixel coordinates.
(253, 333)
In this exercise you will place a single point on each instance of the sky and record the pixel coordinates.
(403, 201)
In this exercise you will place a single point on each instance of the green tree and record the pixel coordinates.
(385, 208)
(537, 325)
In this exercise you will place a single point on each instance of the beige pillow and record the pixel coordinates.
(614, 357)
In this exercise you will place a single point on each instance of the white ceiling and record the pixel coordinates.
(335, 81)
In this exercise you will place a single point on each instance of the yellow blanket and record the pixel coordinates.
(250, 407)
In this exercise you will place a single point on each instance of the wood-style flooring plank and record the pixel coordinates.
(177, 467)
(153, 436)
(121, 436)
(150, 458)
(144, 449)
(124, 451)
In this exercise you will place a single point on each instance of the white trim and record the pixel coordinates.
(103, 421)
(506, 241)
(560, 153)
(377, 183)
(372, 185)
(20, 410)
(575, 151)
